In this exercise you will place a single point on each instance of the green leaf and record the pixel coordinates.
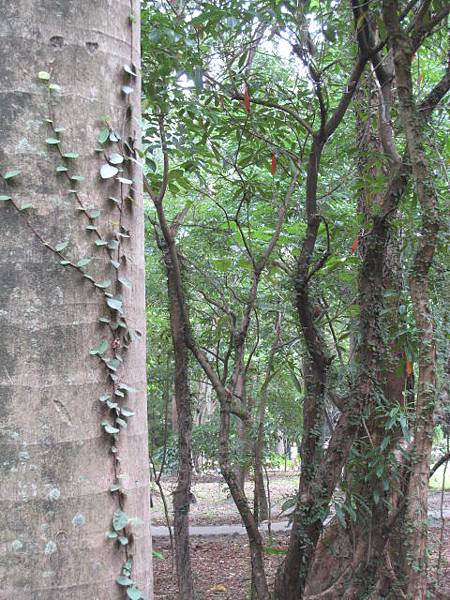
(125, 281)
(11, 174)
(43, 75)
(102, 285)
(114, 303)
(61, 246)
(134, 594)
(127, 90)
(103, 135)
(61, 169)
(120, 520)
(115, 264)
(101, 349)
(112, 535)
(129, 70)
(125, 181)
(124, 580)
(112, 244)
(101, 242)
(157, 554)
(54, 87)
(127, 412)
(198, 79)
(91, 228)
(71, 155)
(105, 397)
(52, 141)
(94, 213)
(4, 198)
(109, 428)
(77, 178)
(116, 159)
(115, 487)
(127, 388)
(107, 171)
(64, 262)
(123, 540)
(26, 206)
(84, 262)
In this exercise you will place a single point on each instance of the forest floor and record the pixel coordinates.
(221, 563)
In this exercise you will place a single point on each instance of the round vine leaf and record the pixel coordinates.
(134, 593)
(115, 264)
(4, 198)
(105, 397)
(112, 535)
(110, 429)
(107, 171)
(124, 580)
(94, 213)
(26, 206)
(11, 174)
(101, 349)
(71, 155)
(112, 244)
(77, 178)
(54, 87)
(127, 412)
(116, 159)
(114, 303)
(125, 281)
(101, 242)
(102, 285)
(61, 169)
(125, 180)
(52, 141)
(43, 75)
(127, 90)
(122, 423)
(127, 388)
(83, 262)
(120, 520)
(61, 246)
(128, 69)
(103, 135)
(123, 540)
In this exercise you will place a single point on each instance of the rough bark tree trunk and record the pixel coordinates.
(417, 507)
(182, 494)
(56, 461)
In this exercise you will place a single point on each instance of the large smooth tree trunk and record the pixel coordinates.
(57, 466)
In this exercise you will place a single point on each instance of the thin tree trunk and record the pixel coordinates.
(57, 464)
(184, 421)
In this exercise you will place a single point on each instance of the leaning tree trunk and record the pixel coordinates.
(71, 302)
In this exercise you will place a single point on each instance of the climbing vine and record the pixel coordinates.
(117, 156)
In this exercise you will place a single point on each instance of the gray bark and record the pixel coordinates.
(55, 461)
